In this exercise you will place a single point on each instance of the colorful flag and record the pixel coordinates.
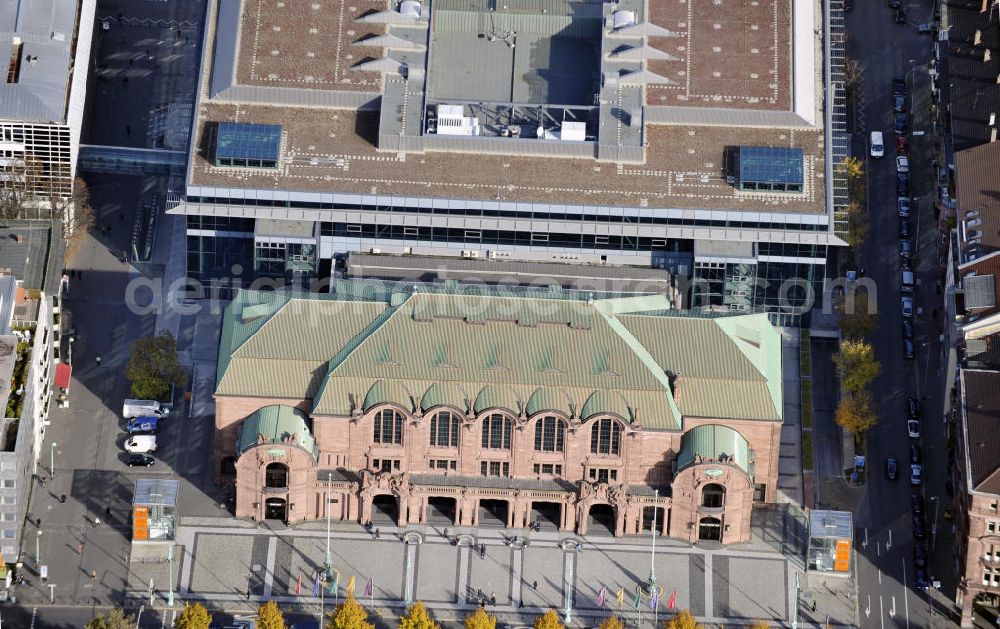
(370, 587)
(655, 598)
(316, 585)
(350, 586)
(620, 597)
(333, 583)
(672, 601)
(602, 596)
(637, 600)
(298, 585)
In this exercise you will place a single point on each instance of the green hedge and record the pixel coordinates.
(807, 450)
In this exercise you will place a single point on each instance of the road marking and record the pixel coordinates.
(34, 612)
(881, 612)
(878, 548)
(272, 551)
(868, 610)
(906, 605)
(888, 544)
(892, 611)
(879, 576)
(865, 543)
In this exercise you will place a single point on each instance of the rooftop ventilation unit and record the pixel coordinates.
(622, 19)
(410, 8)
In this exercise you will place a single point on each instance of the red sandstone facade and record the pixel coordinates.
(575, 478)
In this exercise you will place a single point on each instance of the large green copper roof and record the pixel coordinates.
(514, 351)
(713, 441)
(278, 424)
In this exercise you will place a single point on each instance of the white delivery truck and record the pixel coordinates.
(138, 408)
(140, 444)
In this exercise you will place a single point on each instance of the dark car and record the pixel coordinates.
(917, 504)
(915, 454)
(891, 468)
(912, 407)
(898, 103)
(919, 556)
(920, 578)
(903, 207)
(905, 248)
(902, 185)
(140, 460)
(902, 144)
(893, 4)
(904, 229)
(908, 330)
(918, 527)
(898, 84)
(899, 126)
(900, 16)
(908, 348)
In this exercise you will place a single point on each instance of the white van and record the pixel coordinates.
(906, 281)
(877, 146)
(140, 444)
(137, 408)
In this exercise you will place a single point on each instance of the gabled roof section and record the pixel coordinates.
(277, 424)
(981, 412)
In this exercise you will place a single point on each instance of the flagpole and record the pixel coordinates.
(329, 487)
(652, 554)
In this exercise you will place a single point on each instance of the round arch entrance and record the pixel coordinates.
(276, 509)
(710, 529)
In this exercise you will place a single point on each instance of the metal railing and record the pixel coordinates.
(837, 111)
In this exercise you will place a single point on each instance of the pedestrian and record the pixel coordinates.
(98, 364)
(97, 522)
(93, 575)
(41, 479)
(378, 534)
(62, 498)
(107, 512)
(814, 606)
(446, 532)
(248, 593)
(79, 549)
(493, 599)
(38, 522)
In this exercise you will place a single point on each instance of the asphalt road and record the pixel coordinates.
(886, 592)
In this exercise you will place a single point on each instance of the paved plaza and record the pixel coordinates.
(219, 559)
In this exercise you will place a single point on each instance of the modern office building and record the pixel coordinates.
(681, 135)
(47, 46)
(504, 407)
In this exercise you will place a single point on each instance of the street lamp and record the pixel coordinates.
(934, 499)
(38, 548)
(651, 583)
(52, 460)
(69, 357)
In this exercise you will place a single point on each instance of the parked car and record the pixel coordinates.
(902, 185)
(908, 330)
(140, 460)
(908, 351)
(904, 228)
(905, 248)
(891, 468)
(902, 144)
(916, 503)
(919, 556)
(899, 83)
(893, 4)
(903, 207)
(899, 126)
(142, 425)
(912, 408)
(907, 307)
(135, 408)
(140, 444)
(915, 453)
(920, 578)
(918, 527)
(898, 103)
(902, 164)
(900, 16)
(916, 474)
(913, 428)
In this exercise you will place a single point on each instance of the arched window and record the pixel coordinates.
(496, 432)
(713, 496)
(389, 427)
(444, 430)
(276, 475)
(549, 434)
(606, 437)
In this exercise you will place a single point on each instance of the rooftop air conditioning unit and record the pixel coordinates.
(376, 251)
(407, 250)
(473, 254)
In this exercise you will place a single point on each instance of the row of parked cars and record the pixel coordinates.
(916, 498)
(144, 417)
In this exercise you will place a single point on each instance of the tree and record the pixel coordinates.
(857, 224)
(111, 619)
(194, 616)
(852, 73)
(611, 622)
(77, 217)
(416, 617)
(479, 619)
(548, 620)
(856, 412)
(269, 616)
(853, 167)
(682, 620)
(352, 615)
(856, 321)
(856, 365)
(153, 367)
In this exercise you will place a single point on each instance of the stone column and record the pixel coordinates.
(366, 507)
(570, 513)
(402, 507)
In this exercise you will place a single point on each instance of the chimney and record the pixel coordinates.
(993, 134)
(978, 39)
(986, 56)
